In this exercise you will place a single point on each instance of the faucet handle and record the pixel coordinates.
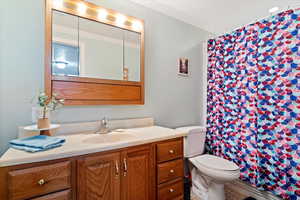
(104, 121)
(103, 129)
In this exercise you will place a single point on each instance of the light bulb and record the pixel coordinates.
(102, 14)
(137, 25)
(81, 8)
(61, 65)
(120, 20)
(57, 3)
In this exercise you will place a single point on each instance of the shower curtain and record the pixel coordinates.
(254, 102)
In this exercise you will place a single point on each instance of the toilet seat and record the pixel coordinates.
(216, 163)
(216, 168)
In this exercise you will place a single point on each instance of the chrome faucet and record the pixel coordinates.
(104, 129)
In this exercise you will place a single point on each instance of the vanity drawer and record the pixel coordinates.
(169, 170)
(171, 191)
(64, 195)
(169, 150)
(36, 181)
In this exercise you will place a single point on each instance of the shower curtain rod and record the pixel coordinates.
(256, 20)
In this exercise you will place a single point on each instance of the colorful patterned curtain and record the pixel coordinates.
(254, 102)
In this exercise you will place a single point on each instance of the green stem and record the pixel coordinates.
(44, 112)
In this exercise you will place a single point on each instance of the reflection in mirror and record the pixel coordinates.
(86, 48)
(102, 56)
(65, 48)
(132, 56)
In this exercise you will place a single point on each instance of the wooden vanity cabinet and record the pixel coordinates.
(46, 180)
(99, 177)
(169, 164)
(138, 169)
(113, 176)
(146, 172)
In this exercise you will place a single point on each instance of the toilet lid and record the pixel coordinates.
(215, 162)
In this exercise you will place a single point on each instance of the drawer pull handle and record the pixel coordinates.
(171, 151)
(117, 168)
(125, 166)
(41, 182)
(172, 171)
(172, 190)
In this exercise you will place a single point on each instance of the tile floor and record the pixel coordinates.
(233, 194)
(229, 193)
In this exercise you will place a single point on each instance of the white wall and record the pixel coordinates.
(172, 100)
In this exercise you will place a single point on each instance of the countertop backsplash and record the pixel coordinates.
(92, 126)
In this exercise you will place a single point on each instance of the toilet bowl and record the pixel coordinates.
(212, 173)
(216, 168)
(209, 172)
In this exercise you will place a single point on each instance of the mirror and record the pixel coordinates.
(93, 55)
(90, 49)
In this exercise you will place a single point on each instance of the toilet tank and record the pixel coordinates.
(194, 142)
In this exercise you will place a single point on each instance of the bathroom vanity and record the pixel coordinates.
(137, 164)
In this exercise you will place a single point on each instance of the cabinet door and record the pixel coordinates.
(136, 174)
(99, 177)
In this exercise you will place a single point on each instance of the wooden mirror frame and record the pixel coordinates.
(91, 91)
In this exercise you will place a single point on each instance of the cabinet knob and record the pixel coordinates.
(172, 171)
(171, 190)
(41, 182)
(171, 151)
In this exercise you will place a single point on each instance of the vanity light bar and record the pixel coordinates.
(81, 8)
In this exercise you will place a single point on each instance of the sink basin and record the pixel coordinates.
(109, 138)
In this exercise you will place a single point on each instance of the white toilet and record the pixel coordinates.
(209, 173)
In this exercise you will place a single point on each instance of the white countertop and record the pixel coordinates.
(77, 145)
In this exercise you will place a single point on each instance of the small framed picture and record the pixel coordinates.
(183, 67)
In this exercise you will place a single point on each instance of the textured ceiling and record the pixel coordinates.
(217, 16)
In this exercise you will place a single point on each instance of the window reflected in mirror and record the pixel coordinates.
(65, 59)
